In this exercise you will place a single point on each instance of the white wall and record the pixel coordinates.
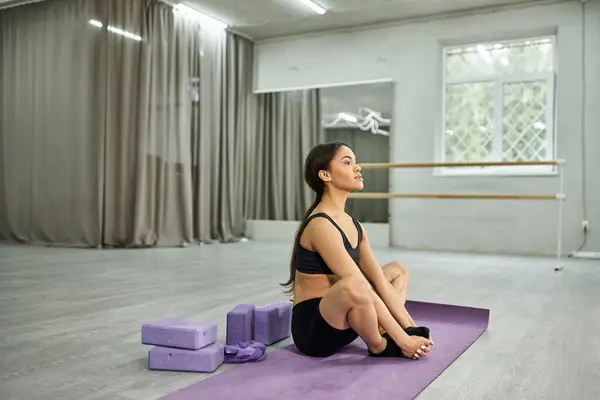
(411, 56)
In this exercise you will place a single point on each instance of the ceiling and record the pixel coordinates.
(268, 19)
(4, 3)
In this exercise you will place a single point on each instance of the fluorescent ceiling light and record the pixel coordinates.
(124, 33)
(203, 19)
(313, 6)
(121, 32)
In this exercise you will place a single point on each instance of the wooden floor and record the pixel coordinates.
(70, 319)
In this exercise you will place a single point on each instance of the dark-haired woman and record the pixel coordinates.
(340, 290)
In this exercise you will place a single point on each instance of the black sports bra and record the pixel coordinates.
(310, 262)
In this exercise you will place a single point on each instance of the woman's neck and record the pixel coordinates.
(334, 202)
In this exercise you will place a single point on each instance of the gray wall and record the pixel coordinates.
(411, 56)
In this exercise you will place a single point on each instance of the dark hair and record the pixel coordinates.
(318, 159)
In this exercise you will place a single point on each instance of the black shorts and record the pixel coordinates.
(312, 335)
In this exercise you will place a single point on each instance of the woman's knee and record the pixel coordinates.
(397, 270)
(402, 270)
(357, 290)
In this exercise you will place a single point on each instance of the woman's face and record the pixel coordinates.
(344, 172)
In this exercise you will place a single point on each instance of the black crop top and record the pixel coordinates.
(310, 262)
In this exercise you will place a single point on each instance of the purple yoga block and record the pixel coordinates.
(207, 359)
(240, 322)
(273, 322)
(179, 334)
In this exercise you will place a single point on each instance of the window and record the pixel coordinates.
(498, 105)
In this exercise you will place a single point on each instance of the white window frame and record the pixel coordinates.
(499, 82)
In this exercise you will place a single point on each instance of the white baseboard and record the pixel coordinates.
(592, 255)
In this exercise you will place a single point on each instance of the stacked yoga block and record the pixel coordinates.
(181, 345)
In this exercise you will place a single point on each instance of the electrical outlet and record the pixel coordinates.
(585, 225)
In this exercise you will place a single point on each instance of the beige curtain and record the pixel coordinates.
(224, 121)
(123, 124)
(148, 160)
(288, 127)
(178, 139)
(52, 107)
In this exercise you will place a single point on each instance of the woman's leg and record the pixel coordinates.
(397, 274)
(350, 304)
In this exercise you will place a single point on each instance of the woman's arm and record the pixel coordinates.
(327, 241)
(370, 267)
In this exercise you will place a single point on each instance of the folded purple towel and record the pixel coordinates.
(242, 352)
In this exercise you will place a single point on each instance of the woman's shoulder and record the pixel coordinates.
(314, 220)
(354, 219)
(318, 219)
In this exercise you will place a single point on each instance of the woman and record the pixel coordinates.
(340, 290)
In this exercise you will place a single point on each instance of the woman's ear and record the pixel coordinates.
(324, 175)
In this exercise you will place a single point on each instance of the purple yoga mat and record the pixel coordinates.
(351, 374)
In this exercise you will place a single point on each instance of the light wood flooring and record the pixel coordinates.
(70, 318)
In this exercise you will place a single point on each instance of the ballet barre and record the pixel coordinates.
(454, 196)
(560, 196)
(462, 164)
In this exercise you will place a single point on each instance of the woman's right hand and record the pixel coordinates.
(416, 347)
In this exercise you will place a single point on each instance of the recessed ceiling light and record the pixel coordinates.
(313, 6)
